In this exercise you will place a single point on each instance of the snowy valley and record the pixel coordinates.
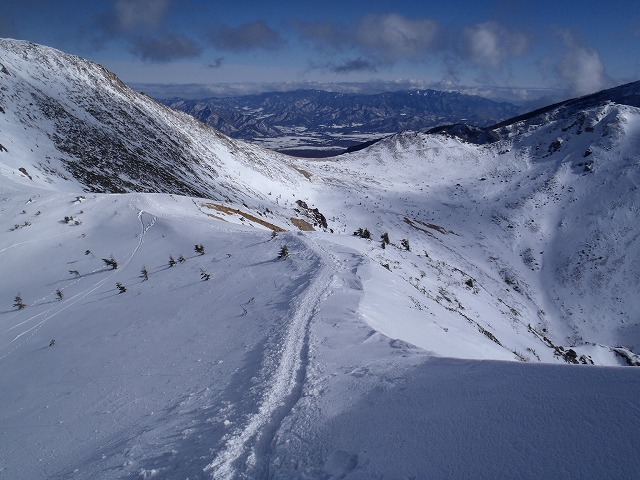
(478, 324)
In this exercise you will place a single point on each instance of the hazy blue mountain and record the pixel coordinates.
(314, 119)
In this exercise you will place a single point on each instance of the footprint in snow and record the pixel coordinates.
(340, 463)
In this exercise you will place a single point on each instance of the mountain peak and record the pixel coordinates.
(321, 123)
(627, 94)
(624, 95)
(87, 129)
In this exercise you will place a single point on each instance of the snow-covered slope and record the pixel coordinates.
(533, 236)
(323, 364)
(70, 123)
(266, 369)
(524, 248)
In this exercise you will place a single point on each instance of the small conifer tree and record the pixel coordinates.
(284, 252)
(110, 262)
(274, 234)
(18, 302)
(199, 249)
(181, 259)
(362, 233)
(144, 274)
(121, 287)
(204, 275)
(405, 244)
(385, 238)
(172, 261)
(59, 294)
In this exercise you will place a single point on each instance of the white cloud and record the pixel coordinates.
(581, 67)
(165, 48)
(395, 37)
(246, 37)
(131, 14)
(491, 45)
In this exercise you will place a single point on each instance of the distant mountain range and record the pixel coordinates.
(305, 121)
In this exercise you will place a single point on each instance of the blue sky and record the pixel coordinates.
(517, 48)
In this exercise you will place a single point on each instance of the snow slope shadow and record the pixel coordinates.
(454, 419)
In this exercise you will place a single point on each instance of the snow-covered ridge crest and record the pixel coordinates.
(548, 209)
(627, 95)
(69, 120)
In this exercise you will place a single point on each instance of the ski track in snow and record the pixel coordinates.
(31, 241)
(65, 304)
(287, 378)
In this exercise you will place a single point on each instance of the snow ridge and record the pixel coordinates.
(114, 139)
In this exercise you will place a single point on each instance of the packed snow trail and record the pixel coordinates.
(286, 381)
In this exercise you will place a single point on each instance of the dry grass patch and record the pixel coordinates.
(248, 216)
(416, 224)
(302, 225)
(302, 172)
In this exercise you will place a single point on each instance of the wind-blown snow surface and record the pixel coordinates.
(329, 363)
(263, 371)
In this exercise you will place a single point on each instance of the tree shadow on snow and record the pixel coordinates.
(104, 296)
(78, 277)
